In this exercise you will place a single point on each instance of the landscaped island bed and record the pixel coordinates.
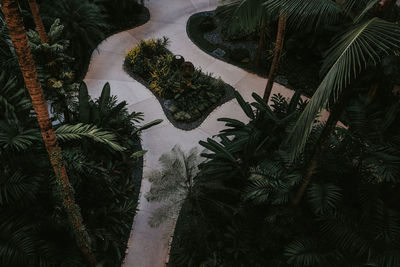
(186, 94)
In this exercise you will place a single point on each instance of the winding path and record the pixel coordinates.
(148, 247)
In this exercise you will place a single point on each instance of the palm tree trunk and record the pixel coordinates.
(277, 54)
(320, 146)
(38, 22)
(27, 65)
(260, 45)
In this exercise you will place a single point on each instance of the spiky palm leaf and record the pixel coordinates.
(363, 44)
(78, 131)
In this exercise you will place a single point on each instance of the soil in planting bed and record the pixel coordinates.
(187, 126)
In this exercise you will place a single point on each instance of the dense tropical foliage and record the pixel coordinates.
(348, 217)
(291, 192)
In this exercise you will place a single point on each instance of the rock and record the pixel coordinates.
(169, 106)
(218, 53)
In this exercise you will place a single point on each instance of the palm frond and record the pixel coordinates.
(13, 136)
(78, 131)
(365, 43)
(301, 13)
(368, 7)
(305, 252)
(324, 198)
(15, 187)
(245, 15)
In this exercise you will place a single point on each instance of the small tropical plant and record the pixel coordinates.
(84, 25)
(54, 70)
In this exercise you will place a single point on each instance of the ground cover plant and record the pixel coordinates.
(186, 92)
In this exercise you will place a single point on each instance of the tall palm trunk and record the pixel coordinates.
(277, 54)
(260, 47)
(27, 65)
(320, 146)
(38, 22)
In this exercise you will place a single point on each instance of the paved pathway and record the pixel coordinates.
(147, 246)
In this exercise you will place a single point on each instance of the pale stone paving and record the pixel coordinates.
(148, 247)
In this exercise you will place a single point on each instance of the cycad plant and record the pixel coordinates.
(54, 70)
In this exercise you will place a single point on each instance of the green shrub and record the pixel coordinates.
(143, 56)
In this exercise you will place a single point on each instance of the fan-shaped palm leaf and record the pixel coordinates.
(361, 45)
(246, 15)
(304, 252)
(301, 13)
(324, 197)
(12, 136)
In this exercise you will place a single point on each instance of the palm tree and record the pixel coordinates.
(298, 14)
(38, 21)
(364, 43)
(27, 65)
(173, 184)
(277, 55)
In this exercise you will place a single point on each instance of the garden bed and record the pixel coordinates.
(295, 73)
(186, 94)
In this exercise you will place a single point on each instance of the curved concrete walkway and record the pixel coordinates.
(148, 247)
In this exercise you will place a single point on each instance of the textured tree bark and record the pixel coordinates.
(321, 144)
(28, 69)
(260, 45)
(277, 54)
(38, 22)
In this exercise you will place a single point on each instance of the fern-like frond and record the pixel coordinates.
(78, 131)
